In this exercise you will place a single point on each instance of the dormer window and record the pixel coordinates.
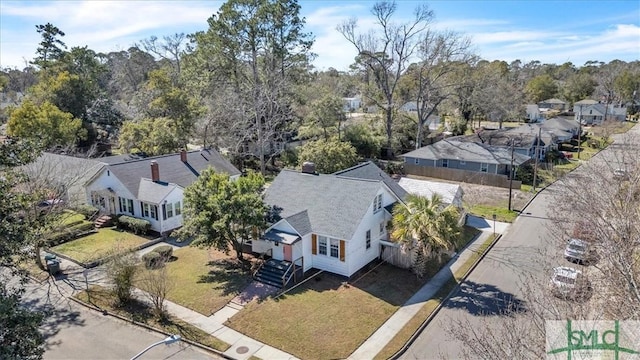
(377, 203)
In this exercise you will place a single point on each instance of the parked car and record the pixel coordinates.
(570, 283)
(620, 174)
(579, 251)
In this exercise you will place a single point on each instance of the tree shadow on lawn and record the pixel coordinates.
(230, 276)
(485, 300)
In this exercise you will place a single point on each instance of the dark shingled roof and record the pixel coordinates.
(171, 169)
(453, 148)
(371, 171)
(334, 204)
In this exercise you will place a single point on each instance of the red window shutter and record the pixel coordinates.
(342, 250)
(314, 245)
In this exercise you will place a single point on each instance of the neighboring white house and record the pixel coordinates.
(552, 104)
(351, 103)
(329, 222)
(409, 106)
(592, 112)
(147, 188)
(533, 113)
(450, 194)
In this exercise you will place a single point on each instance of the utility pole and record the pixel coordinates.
(579, 129)
(511, 176)
(535, 168)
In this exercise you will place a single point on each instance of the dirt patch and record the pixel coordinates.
(475, 194)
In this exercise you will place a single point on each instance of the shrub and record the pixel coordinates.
(70, 232)
(165, 251)
(152, 260)
(86, 210)
(138, 226)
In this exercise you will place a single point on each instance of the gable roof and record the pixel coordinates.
(585, 102)
(63, 169)
(153, 192)
(557, 123)
(333, 205)
(130, 171)
(446, 191)
(369, 170)
(456, 149)
(552, 101)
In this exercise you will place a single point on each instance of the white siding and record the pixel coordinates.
(176, 221)
(105, 180)
(331, 264)
(306, 252)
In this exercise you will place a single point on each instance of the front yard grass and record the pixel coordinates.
(99, 245)
(142, 313)
(204, 280)
(502, 213)
(328, 317)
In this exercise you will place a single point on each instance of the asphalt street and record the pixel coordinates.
(497, 279)
(75, 332)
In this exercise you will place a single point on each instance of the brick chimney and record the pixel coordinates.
(308, 167)
(155, 171)
(183, 155)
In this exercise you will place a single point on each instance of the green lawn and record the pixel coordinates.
(203, 280)
(99, 245)
(140, 312)
(68, 217)
(318, 320)
(485, 211)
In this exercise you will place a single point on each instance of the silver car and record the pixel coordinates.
(579, 251)
(569, 283)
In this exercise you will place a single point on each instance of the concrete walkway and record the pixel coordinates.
(76, 279)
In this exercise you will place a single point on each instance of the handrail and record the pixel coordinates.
(261, 260)
(293, 273)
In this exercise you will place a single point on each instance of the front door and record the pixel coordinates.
(112, 205)
(287, 252)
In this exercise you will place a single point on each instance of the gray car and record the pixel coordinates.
(579, 251)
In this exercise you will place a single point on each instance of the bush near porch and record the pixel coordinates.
(204, 280)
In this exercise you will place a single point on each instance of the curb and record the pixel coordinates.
(435, 312)
(150, 328)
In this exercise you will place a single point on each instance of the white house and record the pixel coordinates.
(147, 188)
(592, 112)
(450, 194)
(533, 113)
(351, 103)
(330, 222)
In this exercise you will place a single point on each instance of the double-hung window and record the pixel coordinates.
(377, 203)
(445, 163)
(368, 239)
(335, 248)
(178, 208)
(169, 211)
(322, 245)
(382, 228)
(484, 167)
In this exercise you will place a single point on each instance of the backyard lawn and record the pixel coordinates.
(204, 280)
(99, 245)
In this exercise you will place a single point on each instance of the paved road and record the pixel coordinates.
(74, 332)
(495, 281)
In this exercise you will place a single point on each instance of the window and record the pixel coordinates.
(462, 162)
(178, 208)
(377, 203)
(416, 161)
(130, 206)
(169, 210)
(368, 241)
(126, 205)
(145, 209)
(484, 167)
(335, 249)
(445, 163)
(322, 245)
(382, 228)
(154, 211)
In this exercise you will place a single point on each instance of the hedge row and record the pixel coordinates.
(157, 256)
(87, 210)
(138, 226)
(69, 233)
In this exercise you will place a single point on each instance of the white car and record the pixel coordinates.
(578, 251)
(569, 283)
(620, 174)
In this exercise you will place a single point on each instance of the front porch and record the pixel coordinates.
(282, 261)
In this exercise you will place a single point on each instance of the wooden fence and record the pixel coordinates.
(458, 175)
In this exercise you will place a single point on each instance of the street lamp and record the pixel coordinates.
(169, 340)
(494, 226)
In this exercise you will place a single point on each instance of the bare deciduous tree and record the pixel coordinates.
(157, 284)
(386, 53)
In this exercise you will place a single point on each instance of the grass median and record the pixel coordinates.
(403, 336)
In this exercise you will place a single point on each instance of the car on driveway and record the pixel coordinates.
(620, 174)
(579, 251)
(570, 283)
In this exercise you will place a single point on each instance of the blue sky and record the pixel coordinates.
(543, 30)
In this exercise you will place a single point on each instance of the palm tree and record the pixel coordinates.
(427, 224)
